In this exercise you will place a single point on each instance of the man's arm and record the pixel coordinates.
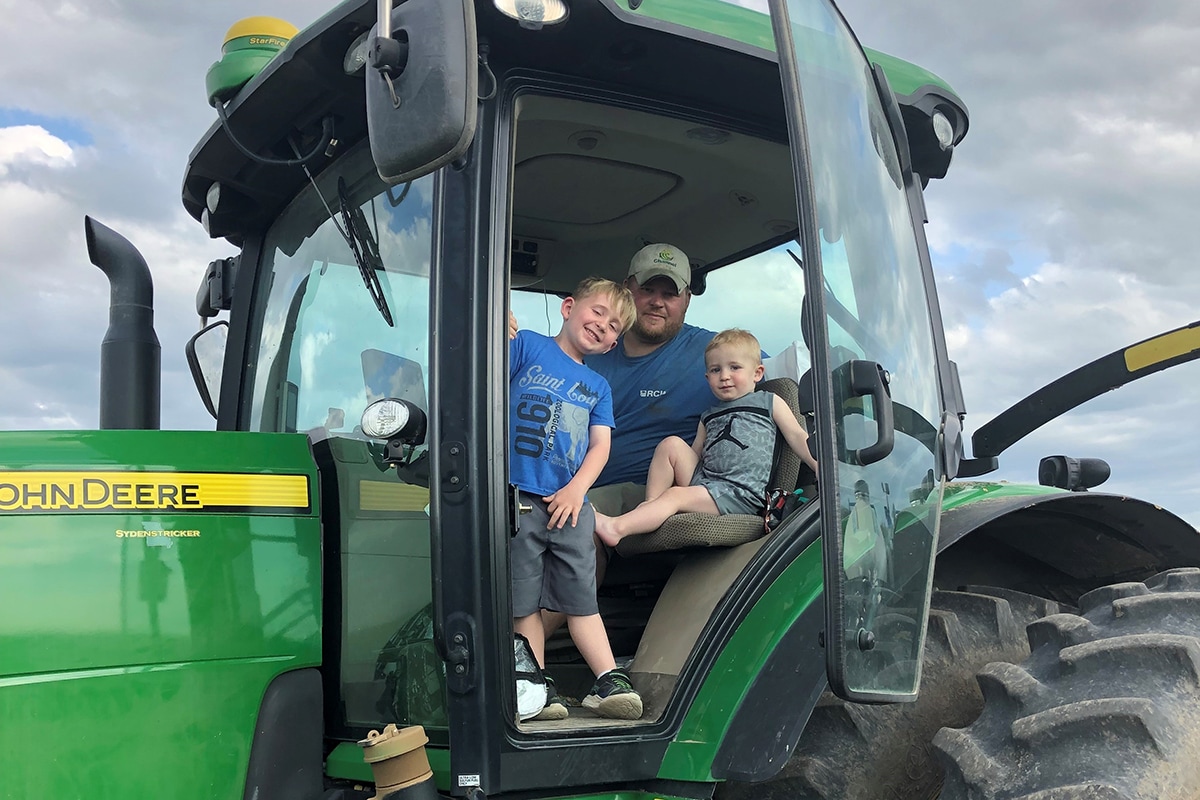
(566, 502)
(793, 432)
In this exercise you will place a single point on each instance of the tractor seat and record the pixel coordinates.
(692, 529)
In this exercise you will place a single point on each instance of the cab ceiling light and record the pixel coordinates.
(533, 14)
(587, 140)
(707, 135)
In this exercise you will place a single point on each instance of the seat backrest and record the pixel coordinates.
(725, 530)
(787, 464)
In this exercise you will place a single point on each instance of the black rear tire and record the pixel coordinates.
(1106, 706)
(858, 752)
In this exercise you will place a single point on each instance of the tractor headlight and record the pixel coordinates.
(533, 14)
(943, 130)
(394, 419)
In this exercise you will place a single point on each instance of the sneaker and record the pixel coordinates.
(531, 683)
(531, 698)
(613, 696)
(555, 708)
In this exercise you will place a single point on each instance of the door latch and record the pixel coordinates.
(515, 509)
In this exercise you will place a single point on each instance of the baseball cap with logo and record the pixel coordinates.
(661, 261)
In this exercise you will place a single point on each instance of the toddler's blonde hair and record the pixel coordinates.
(739, 339)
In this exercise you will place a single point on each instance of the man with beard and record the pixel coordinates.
(656, 372)
(659, 389)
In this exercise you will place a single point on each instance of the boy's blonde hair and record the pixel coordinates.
(737, 338)
(617, 295)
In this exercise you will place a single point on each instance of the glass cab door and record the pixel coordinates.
(875, 362)
(320, 349)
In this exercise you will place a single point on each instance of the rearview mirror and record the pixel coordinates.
(205, 353)
(422, 93)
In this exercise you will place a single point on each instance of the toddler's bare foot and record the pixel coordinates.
(606, 531)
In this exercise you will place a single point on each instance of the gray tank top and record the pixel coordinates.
(739, 448)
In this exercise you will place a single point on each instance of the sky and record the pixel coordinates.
(1063, 231)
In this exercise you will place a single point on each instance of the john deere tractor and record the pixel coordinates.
(229, 613)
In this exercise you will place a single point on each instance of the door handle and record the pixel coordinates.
(869, 378)
(516, 509)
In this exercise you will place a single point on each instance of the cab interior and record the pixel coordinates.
(591, 183)
(583, 184)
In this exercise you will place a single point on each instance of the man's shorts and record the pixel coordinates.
(553, 569)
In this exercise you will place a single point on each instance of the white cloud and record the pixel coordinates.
(32, 144)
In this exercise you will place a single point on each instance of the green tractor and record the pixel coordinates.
(228, 614)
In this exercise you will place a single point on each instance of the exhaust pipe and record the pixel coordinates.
(130, 362)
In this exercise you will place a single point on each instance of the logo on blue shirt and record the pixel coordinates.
(535, 377)
(582, 393)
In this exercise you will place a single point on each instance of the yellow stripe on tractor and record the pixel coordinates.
(149, 491)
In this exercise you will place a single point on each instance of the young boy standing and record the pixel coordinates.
(726, 469)
(560, 425)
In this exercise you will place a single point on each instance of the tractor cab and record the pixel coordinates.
(386, 229)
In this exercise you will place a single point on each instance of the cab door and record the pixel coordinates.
(870, 317)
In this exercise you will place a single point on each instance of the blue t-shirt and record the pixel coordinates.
(657, 395)
(552, 401)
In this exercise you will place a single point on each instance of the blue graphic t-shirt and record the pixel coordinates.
(553, 400)
(657, 395)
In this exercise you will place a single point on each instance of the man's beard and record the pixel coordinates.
(665, 334)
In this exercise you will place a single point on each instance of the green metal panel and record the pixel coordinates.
(903, 77)
(147, 730)
(751, 27)
(346, 762)
(690, 755)
(138, 642)
(202, 451)
(959, 494)
(713, 16)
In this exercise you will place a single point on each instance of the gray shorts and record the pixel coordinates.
(553, 569)
(731, 498)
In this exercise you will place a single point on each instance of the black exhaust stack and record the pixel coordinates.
(130, 377)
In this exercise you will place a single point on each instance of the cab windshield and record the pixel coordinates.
(324, 349)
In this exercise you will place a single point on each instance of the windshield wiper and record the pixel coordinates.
(365, 248)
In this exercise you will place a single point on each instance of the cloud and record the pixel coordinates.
(32, 145)
(1063, 231)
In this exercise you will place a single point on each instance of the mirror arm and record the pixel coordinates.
(387, 54)
(385, 19)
